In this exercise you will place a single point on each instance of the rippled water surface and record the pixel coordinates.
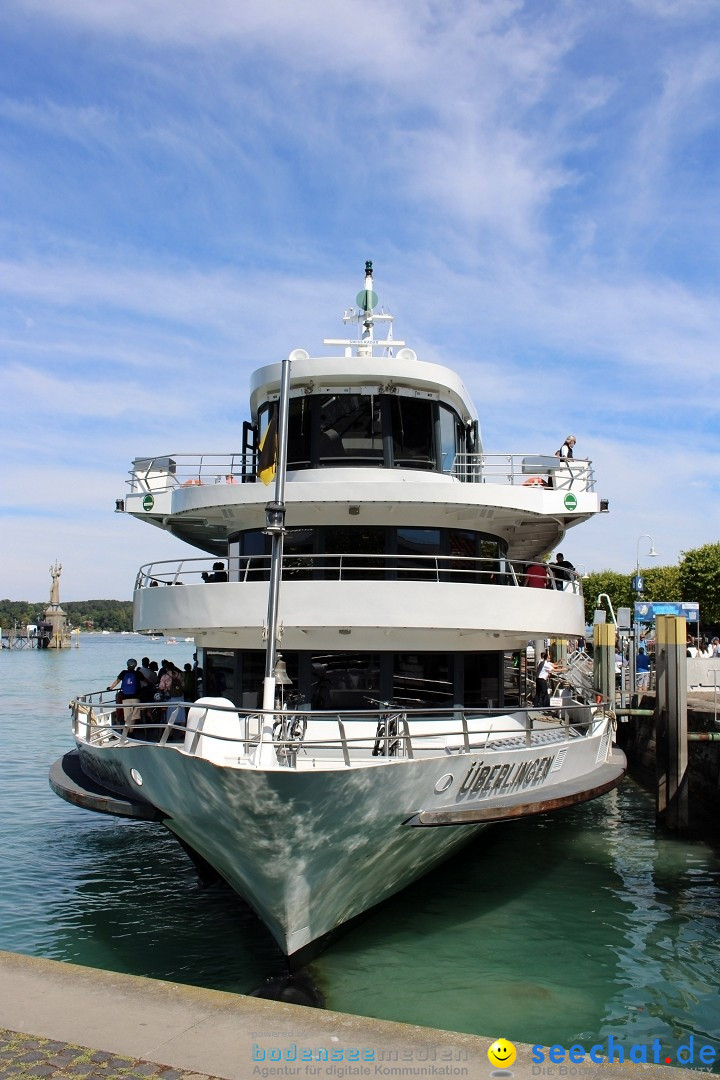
(561, 930)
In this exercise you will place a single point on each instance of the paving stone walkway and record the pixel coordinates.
(28, 1056)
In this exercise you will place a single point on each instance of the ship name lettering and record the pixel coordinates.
(465, 786)
(482, 779)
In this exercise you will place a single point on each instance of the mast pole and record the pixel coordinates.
(366, 301)
(275, 527)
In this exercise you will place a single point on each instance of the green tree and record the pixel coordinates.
(699, 574)
(100, 614)
(617, 586)
(662, 583)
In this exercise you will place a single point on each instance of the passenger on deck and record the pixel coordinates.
(561, 571)
(129, 682)
(219, 573)
(148, 679)
(542, 693)
(536, 576)
(566, 450)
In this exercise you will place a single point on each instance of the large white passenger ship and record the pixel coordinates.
(390, 564)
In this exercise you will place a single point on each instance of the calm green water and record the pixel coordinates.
(562, 930)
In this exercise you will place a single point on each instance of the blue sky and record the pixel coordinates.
(190, 190)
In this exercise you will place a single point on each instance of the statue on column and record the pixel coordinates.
(55, 572)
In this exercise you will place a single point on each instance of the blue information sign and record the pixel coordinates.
(646, 612)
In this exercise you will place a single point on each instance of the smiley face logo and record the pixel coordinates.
(502, 1054)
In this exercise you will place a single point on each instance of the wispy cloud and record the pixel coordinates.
(188, 191)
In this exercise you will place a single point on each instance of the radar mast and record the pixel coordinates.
(365, 316)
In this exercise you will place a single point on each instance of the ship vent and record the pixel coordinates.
(603, 747)
(559, 758)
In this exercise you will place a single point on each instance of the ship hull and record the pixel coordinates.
(309, 849)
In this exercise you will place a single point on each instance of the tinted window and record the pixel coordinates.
(349, 427)
(423, 679)
(345, 680)
(413, 432)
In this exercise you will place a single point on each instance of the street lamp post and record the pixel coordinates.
(652, 553)
(638, 586)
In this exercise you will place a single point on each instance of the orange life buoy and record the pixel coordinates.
(535, 480)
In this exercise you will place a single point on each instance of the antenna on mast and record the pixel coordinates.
(364, 315)
(366, 300)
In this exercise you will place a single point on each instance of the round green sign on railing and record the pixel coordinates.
(148, 503)
(570, 501)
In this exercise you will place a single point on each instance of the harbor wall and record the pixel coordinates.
(637, 737)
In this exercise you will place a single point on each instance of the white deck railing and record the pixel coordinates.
(221, 732)
(171, 471)
(353, 566)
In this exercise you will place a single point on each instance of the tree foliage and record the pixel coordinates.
(699, 574)
(617, 587)
(86, 614)
(697, 578)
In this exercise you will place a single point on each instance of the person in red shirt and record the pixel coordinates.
(536, 576)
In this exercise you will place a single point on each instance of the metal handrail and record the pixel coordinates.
(524, 469)
(166, 472)
(346, 566)
(94, 713)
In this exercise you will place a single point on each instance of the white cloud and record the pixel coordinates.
(537, 188)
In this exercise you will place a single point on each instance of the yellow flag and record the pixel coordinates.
(267, 458)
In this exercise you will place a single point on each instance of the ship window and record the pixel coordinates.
(299, 427)
(462, 566)
(372, 552)
(297, 554)
(482, 680)
(423, 679)
(344, 680)
(354, 551)
(253, 673)
(422, 543)
(450, 436)
(349, 427)
(220, 673)
(413, 432)
(249, 556)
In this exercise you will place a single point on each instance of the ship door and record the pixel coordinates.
(249, 450)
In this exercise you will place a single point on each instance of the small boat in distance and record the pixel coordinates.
(397, 578)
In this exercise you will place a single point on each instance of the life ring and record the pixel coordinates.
(535, 480)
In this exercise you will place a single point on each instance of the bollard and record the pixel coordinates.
(671, 722)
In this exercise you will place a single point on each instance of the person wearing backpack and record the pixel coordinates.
(129, 682)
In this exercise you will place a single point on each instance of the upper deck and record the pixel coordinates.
(368, 437)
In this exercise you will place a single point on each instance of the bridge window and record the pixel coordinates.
(386, 430)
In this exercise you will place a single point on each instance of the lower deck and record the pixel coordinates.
(360, 680)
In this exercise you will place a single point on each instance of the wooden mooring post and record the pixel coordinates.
(671, 736)
(604, 660)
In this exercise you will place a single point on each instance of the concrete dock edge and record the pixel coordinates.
(235, 1037)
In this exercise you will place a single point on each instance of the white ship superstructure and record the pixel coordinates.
(390, 563)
